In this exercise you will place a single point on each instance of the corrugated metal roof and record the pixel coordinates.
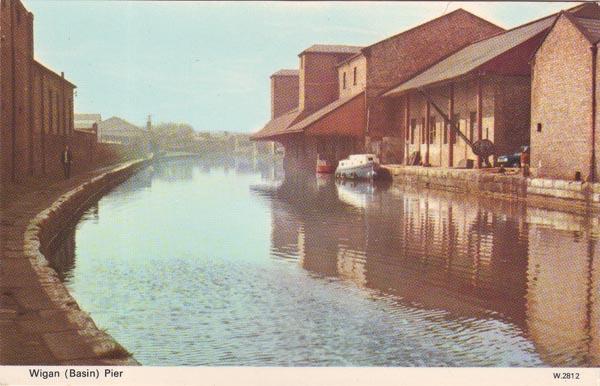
(333, 49)
(591, 26)
(277, 126)
(474, 55)
(286, 72)
(314, 117)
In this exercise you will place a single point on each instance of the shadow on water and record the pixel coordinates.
(471, 257)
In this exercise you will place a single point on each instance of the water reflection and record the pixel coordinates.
(204, 270)
(469, 256)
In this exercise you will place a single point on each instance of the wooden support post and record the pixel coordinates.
(427, 123)
(407, 126)
(479, 114)
(450, 133)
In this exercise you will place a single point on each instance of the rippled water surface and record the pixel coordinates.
(187, 264)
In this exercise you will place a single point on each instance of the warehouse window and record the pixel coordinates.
(344, 80)
(539, 127)
(354, 76)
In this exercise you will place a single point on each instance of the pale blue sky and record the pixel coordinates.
(208, 64)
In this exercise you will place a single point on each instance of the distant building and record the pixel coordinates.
(86, 122)
(118, 130)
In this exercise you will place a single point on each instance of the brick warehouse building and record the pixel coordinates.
(564, 100)
(36, 104)
(485, 88)
(317, 88)
(356, 115)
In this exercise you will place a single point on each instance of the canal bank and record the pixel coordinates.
(41, 322)
(570, 196)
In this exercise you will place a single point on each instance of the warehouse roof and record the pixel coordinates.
(475, 55)
(314, 117)
(332, 49)
(589, 27)
(286, 72)
(277, 126)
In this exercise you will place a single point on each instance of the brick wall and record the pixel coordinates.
(42, 106)
(355, 72)
(319, 79)
(16, 55)
(561, 104)
(284, 94)
(52, 115)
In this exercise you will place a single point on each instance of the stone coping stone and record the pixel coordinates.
(566, 192)
(68, 334)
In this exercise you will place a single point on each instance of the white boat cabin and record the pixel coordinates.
(358, 160)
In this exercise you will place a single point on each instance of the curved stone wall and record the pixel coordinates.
(72, 336)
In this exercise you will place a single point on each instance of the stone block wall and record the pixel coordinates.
(561, 104)
(319, 79)
(548, 192)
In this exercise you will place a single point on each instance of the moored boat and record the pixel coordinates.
(358, 166)
(325, 166)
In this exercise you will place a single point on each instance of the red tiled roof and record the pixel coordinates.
(314, 117)
(296, 121)
(332, 49)
(277, 126)
(473, 56)
(286, 72)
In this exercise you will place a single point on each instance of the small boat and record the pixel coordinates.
(324, 166)
(358, 166)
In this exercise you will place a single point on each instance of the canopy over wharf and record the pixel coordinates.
(331, 133)
(306, 109)
(484, 89)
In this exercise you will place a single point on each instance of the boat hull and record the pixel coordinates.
(325, 169)
(357, 172)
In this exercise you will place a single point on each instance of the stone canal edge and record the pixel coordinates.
(40, 322)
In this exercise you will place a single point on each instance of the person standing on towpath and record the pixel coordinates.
(66, 159)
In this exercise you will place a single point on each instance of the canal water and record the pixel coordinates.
(192, 264)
